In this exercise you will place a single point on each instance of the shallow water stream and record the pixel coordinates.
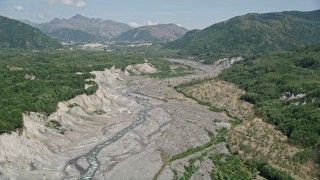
(92, 154)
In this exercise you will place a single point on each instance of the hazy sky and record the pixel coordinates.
(188, 13)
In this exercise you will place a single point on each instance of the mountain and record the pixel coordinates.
(253, 33)
(36, 25)
(154, 33)
(15, 34)
(80, 28)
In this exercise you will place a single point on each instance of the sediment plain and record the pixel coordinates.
(119, 132)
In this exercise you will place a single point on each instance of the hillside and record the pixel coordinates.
(284, 89)
(80, 28)
(253, 33)
(277, 106)
(15, 34)
(154, 33)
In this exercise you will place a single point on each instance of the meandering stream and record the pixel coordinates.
(92, 154)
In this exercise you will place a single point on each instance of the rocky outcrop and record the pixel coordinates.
(145, 68)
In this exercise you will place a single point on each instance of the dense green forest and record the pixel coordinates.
(15, 34)
(252, 33)
(266, 78)
(37, 81)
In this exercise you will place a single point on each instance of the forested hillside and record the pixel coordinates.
(37, 81)
(252, 33)
(285, 90)
(15, 34)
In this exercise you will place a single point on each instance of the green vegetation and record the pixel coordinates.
(165, 160)
(99, 112)
(214, 140)
(166, 72)
(181, 89)
(191, 83)
(73, 105)
(267, 77)
(230, 167)
(225, 166)
(156, 49)
(251, 34)
(268, 172)
(191, 168)
(15, 34)
(307, 155)
(55, 79)
(54, 124)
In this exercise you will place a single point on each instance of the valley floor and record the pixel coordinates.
(130, 122)
(133, 126)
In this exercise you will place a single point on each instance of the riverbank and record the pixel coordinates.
(172, 124)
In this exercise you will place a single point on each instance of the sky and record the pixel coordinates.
(191, 14)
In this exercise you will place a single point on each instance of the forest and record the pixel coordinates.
(251, 34)
(285, 90)
(15, 34)
(37, 81)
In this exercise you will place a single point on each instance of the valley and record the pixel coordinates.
(140, 119)
(89, 98)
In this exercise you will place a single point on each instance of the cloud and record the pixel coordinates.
(76, 3)
(66, 2)
(134, 24)
(80, 4)
(148, 23)
(48, 15)
(18, 8)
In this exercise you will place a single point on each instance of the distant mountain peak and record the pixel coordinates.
(81, 28)
(55, 20)
(78, 16)
(153, 33)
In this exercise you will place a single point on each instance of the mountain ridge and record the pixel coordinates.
(80, 28)
(253, 33)
(155, 33)
(85, 28)
(16, 34)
